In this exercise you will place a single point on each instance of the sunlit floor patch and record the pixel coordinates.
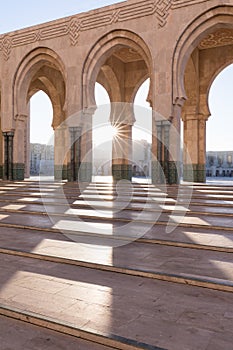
(13, 206)
(211, 239)
(225, 267)
(28, 199)
(37, 292)
(97, 196)
(2, 216)
(95, 204)
(81, 226)
(7, 187)
(174, 207)
(88, 212)
(219, 196)
(193, 220)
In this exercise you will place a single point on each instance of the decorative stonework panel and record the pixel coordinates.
(6, 46)
(74, 25)
(221, 37)
(74, 28)
(182, 3)
(162, 11)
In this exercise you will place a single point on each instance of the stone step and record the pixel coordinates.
(216, 240)
(18, 332)
(168, 263)
(71, 219)
(82, 207)
(193, 280)
(124, 310)
(169, 289)
(89, 339)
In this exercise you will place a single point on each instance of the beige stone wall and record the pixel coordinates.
(65, 57)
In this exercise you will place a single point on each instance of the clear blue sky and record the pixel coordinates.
(17, 14)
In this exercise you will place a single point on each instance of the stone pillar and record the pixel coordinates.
(122, 118)
(85, 148)
(195, 143)
(8, 155)
(1, 155)
(160, 151)
(75, 153)
(21, 147)
(60, 152)
(122, 152)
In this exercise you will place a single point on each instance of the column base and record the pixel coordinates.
(173, 172)
(194, 172)
(165, 173)
(60, 172)
(18, 170)
(122, 172)
(84, 172)
(157, 173)
(1, 171)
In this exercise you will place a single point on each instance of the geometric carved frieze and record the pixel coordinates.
(162, 11)
(220, 37)
(182, 3)
(73, 26)
(6, 46)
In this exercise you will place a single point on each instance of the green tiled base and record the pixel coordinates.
(165, 172)
(64, 172)
(60, 172)
(1, 171)
(157, 173)
(70, 176)
(173, 172)
(84, 172)
(122, 172)
(18, 171)
(194, 173)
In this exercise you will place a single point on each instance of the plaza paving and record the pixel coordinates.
(126, 267)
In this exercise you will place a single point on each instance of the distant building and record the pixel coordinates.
(141, 162)
(141, 158)
(41, 159)
(219, 163)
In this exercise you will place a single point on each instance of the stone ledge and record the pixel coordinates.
(188, 279)
(107, 339)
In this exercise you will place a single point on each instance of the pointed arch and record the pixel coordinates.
(41, 69)
(208, 22)
(102, 50)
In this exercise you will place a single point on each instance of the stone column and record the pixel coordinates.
(1, 155)
(85, 148)
(5, 166)
(21, 147)
(60, 152)
(160, 151)
(195, 143)
(75, 153)
(122, 118)
(122, 152)
(8, 155)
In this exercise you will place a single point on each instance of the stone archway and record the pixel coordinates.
(203, 50)
(120, 61)
(42, 70)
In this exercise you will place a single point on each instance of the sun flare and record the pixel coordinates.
(114, 131)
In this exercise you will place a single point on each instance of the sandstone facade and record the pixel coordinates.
(181, 45)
